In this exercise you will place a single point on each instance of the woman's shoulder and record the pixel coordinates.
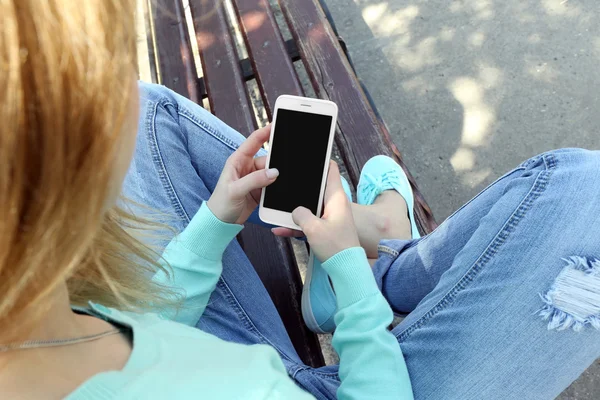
(177, 361)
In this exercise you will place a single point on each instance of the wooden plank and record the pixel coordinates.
(227, 93)
(177, 70)
(248, 68)
(271, 257)
(361, 135)
(273, 68)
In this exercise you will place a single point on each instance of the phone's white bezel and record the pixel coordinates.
(307, 105)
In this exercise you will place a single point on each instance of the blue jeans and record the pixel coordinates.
(477, 289)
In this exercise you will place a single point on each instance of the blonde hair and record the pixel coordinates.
(67, 68)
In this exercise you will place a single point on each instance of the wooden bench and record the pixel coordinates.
(361, 133)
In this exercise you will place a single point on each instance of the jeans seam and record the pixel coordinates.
(492, 249)
(388, 250)
(163, 175)
(295, 370)
(184, 112)
(312, 371)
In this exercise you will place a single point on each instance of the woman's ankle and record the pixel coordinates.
(392, 220)
(380, 221)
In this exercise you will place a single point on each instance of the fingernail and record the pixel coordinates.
(272, 173)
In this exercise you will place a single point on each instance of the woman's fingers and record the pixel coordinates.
(252, 145)
(335, 198)
(238, 191)
(334, 181)
(260, 162)
(255, 180)
(306, 220)
(286, 232)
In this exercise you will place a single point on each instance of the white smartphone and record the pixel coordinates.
(300, 148)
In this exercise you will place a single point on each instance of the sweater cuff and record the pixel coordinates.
(351, 276)
(207, 236)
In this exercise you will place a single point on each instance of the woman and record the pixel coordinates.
(70, 108)
(72, 104)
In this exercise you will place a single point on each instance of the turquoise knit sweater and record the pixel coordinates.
(173, 360)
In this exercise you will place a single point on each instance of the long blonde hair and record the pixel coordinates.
(66, 72)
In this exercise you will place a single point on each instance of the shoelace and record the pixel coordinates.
(375, 185)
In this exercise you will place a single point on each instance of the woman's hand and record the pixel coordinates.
(238, 191)
(335, 231)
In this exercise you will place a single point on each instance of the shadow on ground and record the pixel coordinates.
(472, 88)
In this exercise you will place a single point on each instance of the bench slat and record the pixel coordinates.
(227, 93)
(176, 65)
(271, 257)
(268, 53)
(360, 133)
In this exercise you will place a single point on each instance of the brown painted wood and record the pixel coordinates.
(361, 135)
(225, 86)
(248, 69)
(246, 65)
(271, 257)
(272, 65)
(177, 70)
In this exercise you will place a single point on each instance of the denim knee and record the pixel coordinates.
(577, 172)
(168, 101)
(154, 92)
(572, 214)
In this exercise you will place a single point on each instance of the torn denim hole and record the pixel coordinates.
(573, 301)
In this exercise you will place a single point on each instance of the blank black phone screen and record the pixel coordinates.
(298, 151)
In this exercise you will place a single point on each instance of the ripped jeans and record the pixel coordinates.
(503, 299)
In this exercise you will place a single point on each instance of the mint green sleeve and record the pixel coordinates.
(286, 389)
(193, 259)
(371, 362)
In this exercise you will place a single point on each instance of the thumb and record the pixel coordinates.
(334, 183)
(336, 201)
(255, 180)
(304, 218)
